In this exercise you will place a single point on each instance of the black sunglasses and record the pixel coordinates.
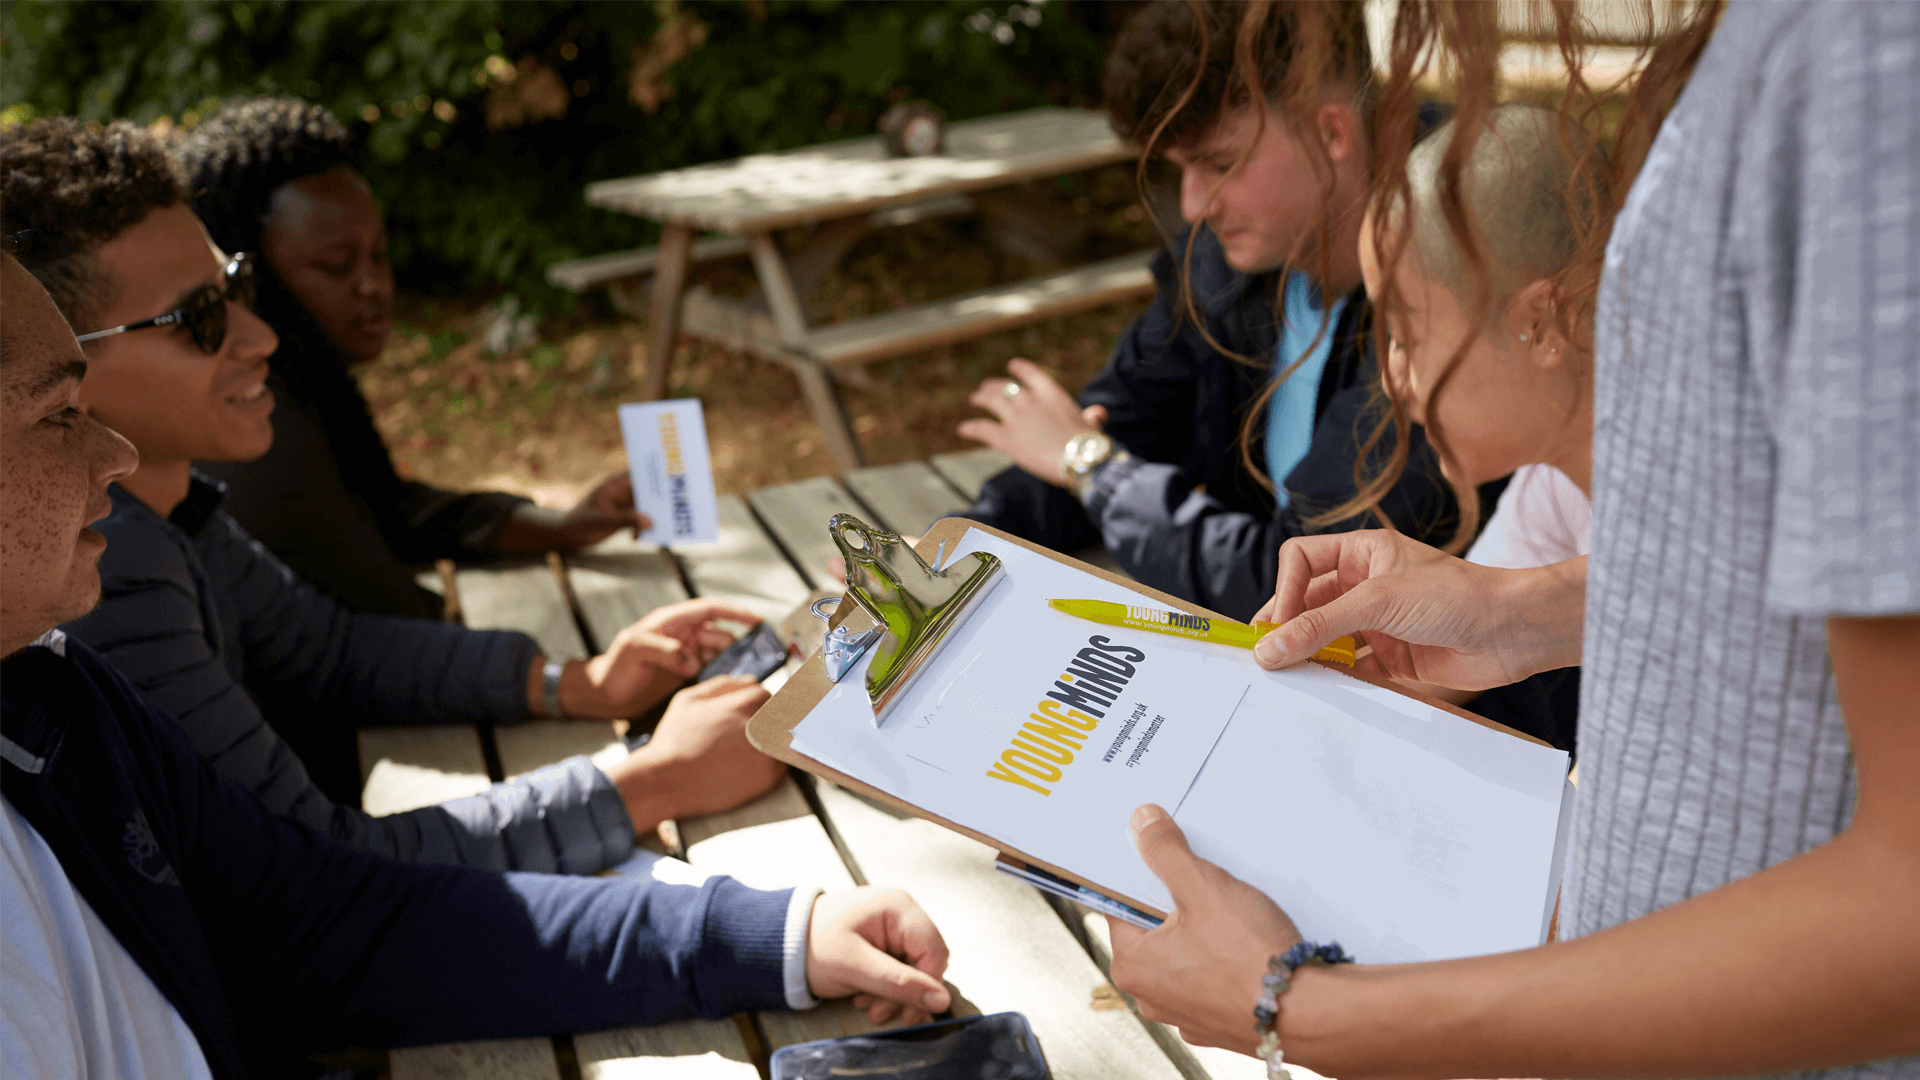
(205, 312)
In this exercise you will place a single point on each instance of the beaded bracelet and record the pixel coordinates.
(1276, 981)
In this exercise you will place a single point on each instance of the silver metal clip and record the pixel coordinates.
(842, 647)
(914, 607)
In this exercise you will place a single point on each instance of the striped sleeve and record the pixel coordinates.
(1833, 237)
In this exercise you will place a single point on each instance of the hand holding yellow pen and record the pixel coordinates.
(1198, 627)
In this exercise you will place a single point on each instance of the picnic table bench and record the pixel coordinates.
(1013, 948)
(849, 187)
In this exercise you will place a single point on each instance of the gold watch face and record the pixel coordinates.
(1086, 451)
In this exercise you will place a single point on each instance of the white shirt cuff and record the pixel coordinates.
(799, 917)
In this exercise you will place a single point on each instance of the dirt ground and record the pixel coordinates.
(539, 419)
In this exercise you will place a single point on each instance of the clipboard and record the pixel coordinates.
(771, 729)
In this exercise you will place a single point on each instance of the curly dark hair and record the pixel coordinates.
(1174, 63)
(238, 157)
(68, 187)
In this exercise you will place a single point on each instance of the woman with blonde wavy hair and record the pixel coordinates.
(1740, 880)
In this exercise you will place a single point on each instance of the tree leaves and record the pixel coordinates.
(479, 205)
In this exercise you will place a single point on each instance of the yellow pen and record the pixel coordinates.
(1181, 624)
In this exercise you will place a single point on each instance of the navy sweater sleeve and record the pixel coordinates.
(312, 942)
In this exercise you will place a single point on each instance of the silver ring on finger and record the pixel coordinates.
(1011, 390)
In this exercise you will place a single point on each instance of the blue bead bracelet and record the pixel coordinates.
(1277, 980)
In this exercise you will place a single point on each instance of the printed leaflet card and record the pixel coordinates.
(672, 474)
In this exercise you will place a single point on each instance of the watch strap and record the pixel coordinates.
(550, 689)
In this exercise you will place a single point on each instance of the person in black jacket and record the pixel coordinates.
(1150, 461)
(159, 922)
(272, 176)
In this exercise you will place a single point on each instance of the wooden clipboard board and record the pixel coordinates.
(771, 729)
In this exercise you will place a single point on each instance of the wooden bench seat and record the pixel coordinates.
(584, 275)
(975, 314)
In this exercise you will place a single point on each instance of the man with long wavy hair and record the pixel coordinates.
(1225, 421)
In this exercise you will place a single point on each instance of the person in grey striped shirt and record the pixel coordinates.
(1742, 881)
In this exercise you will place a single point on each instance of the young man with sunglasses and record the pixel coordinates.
(195, 612)
(157, 921)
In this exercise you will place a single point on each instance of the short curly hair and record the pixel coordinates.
(66, 188)
(1154, 59)
(238, 157)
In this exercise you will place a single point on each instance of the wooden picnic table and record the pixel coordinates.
(849, 187)
(1013, 948)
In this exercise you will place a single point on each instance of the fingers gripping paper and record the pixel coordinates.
(1404, 831)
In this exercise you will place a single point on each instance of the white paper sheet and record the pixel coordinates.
(672, 472)
(1402, 831)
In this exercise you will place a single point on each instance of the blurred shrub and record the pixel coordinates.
(483, 120)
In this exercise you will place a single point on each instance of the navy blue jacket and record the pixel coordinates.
(1187, 517)
(201, 617)
(269, 936)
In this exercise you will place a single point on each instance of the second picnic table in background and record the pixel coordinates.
(1013, 948)
(851, 186)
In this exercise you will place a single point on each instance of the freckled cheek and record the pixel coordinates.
(40, 512)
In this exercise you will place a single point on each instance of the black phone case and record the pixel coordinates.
(758, 653)
(1001, 1046)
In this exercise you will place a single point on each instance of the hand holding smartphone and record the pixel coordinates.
(758, 653)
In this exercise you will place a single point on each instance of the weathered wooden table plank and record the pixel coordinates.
(524, 597)
(492, 1059)
(619, 580)
(969, 469)
(744, 566)
(979, 313)
(1010, 951)
(526, 747)
(770, 843)
(405, 768)
(818, 183)
(907, 497)
(687, 1050)
(797, 516)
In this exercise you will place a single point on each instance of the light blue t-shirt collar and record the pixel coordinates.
(1290, 412)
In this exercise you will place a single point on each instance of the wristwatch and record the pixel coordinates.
(550, 690)
(1084, 453)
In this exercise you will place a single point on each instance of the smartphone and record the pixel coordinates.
(758, 653)
(1001, 1046)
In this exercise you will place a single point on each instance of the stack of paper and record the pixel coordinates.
(1403, 831)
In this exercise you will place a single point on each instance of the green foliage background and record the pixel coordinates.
(474, 208)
